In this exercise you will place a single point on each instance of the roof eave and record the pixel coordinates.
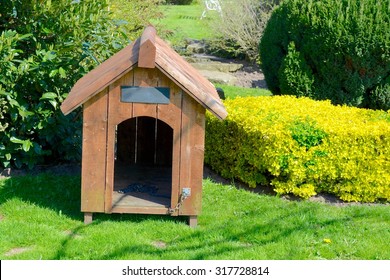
(99, 78)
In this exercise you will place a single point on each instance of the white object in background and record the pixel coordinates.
(211, 5)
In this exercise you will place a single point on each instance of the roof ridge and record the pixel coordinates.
(182, 73)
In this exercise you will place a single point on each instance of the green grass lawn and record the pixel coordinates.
(183, 22)
(40, 219)
(234, 91)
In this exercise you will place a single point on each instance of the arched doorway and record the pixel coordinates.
(143, 163)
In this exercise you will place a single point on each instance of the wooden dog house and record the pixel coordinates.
(143, 131)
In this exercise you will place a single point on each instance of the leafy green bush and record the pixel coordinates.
(45, 47)
(306, 133)
(225, 48)
(330, 49)
(135, 14)
(303, 147)
(3, 111)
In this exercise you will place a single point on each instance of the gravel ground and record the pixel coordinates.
(250, 76)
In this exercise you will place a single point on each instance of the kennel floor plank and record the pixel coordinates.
(138, 200)
(126, 175)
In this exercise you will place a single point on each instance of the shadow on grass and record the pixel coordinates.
(201, 244)
(243, 230)
(61, 194)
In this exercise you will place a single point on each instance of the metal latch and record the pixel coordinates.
(185, 193)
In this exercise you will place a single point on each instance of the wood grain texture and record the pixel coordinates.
(192, 154)
(145, 78)
(163, 135)
(149, 34)
(171, 114)
(117, 113)
(147, 51)
(93, 170)
(165, 58)
(101, 77)
(140, 210)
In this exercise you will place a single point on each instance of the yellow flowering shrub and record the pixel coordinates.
(303, 147)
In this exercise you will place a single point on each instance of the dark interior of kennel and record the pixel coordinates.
(143, 163)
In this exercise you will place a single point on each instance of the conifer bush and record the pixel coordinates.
(330, 49)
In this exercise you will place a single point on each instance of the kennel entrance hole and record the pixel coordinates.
(143, 163)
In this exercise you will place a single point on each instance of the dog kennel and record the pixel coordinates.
(143, 131)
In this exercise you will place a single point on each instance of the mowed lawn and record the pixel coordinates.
(40, 219)
(181, 22)
(40, 215)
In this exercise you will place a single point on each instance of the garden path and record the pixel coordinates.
(224, 71)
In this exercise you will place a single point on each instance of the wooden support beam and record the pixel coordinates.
(193, 221)
(87, 218)
(147, 49)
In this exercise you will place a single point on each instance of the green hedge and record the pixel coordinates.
(330, 49)
(303, 147)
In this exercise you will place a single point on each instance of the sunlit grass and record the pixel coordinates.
(181, 22)
(234, 91)
(40, 219)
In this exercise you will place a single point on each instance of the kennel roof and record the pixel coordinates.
(148, 51)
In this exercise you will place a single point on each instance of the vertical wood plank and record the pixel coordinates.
(197, 155)
(192, 154)
(171, 114)
(94, 153)
(145, 78)
(146, 127)
(117, 112)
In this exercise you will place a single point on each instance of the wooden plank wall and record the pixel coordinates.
(171, 114)
(145, 78)
(93, 169)
(119, 112)
(192, 154)
(105, 111)
(101, 77)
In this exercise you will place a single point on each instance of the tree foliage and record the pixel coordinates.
(242, 24)
(330, 49)
(45, 47)
(135, 14)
